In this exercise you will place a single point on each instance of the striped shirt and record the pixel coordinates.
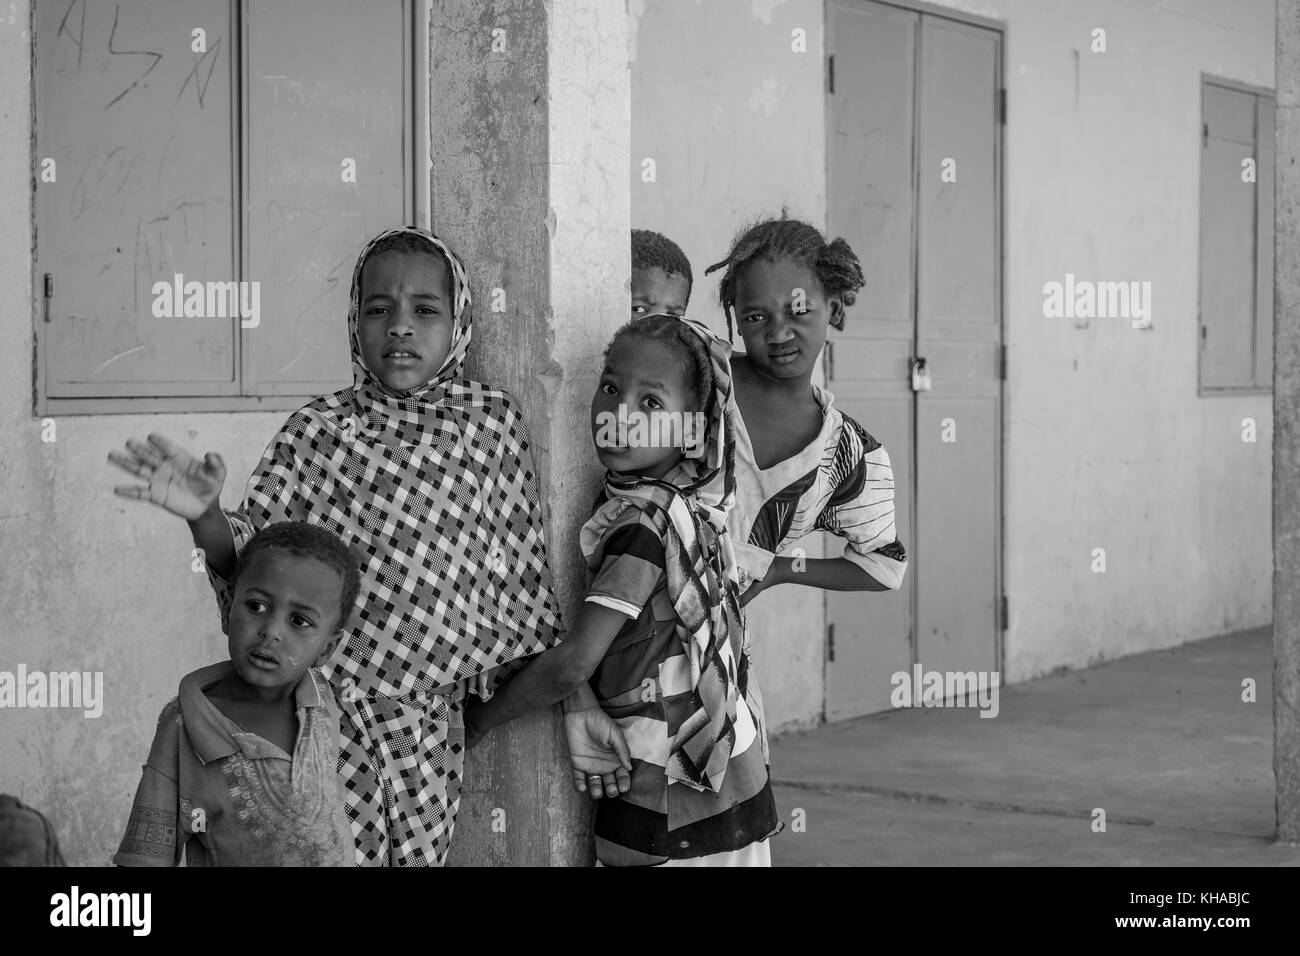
(644, 684)
(841, 482)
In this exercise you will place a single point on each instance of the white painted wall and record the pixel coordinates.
(733, 118)
(88, 581)
(1107, 443)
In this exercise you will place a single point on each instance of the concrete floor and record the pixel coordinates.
(1161, 741)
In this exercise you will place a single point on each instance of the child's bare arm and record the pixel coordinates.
(830, 574)
(211, 532)
(584, 698)
(552, 675)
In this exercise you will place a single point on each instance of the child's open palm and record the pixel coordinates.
(178, 482)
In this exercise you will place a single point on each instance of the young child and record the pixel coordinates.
(661, 633)
(801, 464)
(661, 275)
(429, 477)
(242, 771)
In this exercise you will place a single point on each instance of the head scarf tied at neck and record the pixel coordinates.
(689, 516)
(364, 379)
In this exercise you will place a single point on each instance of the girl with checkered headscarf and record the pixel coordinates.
(430, 478)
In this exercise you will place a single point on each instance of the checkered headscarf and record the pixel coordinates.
(365, 381)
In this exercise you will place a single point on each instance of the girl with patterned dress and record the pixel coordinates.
(802, 465)
(429, 477)
(661, 634)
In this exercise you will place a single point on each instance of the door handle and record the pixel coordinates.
(920, 376)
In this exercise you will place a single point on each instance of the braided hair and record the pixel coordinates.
(834, 263)
(670, 332)
(652, 250)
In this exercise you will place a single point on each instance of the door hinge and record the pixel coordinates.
(830, 642)
(830, 361)
(830, 72)
(1005, 613)
(1205, 135)
(1004, 363)
(49, 293)
(1002, 97)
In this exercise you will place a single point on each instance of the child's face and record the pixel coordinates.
(284, 618)
(405, 318)
(782, 313)
(644, 378)
(654, 290)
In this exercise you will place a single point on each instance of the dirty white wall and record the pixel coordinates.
(88, 581)
(733, 118)
(1107, 443)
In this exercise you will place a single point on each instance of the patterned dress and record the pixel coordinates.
(841, 482)
(435, 489)
(215, 794)
(644, 683)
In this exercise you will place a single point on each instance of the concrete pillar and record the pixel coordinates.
(530, 187)
(1286, 430)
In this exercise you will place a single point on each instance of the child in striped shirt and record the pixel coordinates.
(661, 635)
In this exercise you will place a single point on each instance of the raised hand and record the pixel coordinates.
(599, 754)
(177, 481)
